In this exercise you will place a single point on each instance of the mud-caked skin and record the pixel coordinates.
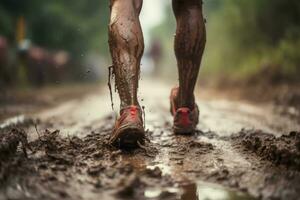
(129, 130)
(126, 44)
(185, 119)
(189, 45)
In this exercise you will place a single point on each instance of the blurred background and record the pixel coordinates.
(249, 42)
(58, 41)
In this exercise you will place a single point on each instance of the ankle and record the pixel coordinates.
(131, 108)
(187, 102)
(191, 106)
(128, 105)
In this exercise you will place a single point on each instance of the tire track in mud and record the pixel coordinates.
(77, 162)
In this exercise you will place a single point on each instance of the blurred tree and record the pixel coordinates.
(245, 38)
(74, 26)
(258, 36)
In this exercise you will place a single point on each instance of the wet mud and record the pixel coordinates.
(53, 162)
(53, 166)
(288, 104)
(19, 102)
(283, 150)
(65, 154)
(57, 167)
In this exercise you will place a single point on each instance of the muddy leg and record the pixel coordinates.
(189, 46)
(126, 46)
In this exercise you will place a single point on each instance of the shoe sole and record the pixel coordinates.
(129, 138)
(183, 131)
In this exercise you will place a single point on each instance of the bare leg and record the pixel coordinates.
(126, 46)
(189, 46)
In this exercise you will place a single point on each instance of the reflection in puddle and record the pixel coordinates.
(152, 193)
(198, 191)
(157, 192)
(208, 191)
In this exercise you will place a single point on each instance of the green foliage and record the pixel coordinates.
(6, 24)
(244, 37)
(75, 26)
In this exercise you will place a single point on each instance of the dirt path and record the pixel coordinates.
(234, 155)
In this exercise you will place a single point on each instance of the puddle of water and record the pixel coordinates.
(199, 191)
(152, 193)
(208, 191)
(156, 192)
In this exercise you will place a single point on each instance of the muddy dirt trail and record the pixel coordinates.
(240, 151)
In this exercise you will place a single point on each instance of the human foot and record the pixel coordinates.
(185, 118)
(129, 130)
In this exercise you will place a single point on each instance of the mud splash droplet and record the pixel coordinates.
(165, 169)
(110, 76)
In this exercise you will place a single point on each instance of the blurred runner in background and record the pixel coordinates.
(155, 54)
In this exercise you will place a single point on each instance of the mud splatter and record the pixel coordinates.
(110, 77)
(9, 143)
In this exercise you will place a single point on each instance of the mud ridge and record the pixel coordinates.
(284, 150)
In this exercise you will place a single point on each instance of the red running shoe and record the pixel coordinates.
(129, 129)
(185, 119)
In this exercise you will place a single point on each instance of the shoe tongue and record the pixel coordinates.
(133, 110)
(184, 116)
